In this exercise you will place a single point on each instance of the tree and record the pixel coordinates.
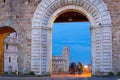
(80, 68)
(72, 68)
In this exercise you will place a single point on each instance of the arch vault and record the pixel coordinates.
(101, 36)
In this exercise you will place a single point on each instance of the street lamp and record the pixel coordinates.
(86, 66)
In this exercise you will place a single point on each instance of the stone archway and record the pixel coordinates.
(4, 31)
(100, 20)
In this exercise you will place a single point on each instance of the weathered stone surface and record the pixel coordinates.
(99, 18)
(28, 17)
(18, 15)
(114, 9)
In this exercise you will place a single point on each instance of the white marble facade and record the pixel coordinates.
(10, 53)
(61, 63)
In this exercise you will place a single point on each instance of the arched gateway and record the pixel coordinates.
(97, 14)
(4, 31)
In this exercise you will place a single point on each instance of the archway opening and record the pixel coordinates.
(68, 41)
(11, 54)
(4, 31)
(101, 33)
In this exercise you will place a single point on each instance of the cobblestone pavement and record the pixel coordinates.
(50, 78)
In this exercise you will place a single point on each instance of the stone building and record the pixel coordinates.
(61, 63)
(32, 20)
(10, 53)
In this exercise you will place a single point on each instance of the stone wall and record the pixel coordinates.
(18, 15)
(114, 9)
(97, 13)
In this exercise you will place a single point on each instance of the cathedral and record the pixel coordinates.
(60, 64)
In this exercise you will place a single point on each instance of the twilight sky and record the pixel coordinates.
(76, 35)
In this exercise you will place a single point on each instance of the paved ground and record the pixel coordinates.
(56, 78)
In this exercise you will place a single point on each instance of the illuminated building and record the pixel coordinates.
(61, 63)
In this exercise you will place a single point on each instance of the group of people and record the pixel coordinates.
(73, 68)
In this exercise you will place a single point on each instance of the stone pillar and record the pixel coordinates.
(107, 49)
(49, 51)
(40, 60)
(22, 52)
(36, 51)
(45, 51)
(101, 50)
(93, 50)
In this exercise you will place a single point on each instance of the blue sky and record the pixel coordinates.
(76, 35)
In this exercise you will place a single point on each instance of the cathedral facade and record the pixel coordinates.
(60, 64)
(32, 21)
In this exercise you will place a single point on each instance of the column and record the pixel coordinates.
(107, 49)
(40, 57)
(101, 49)
(93, 50)
(44, 53)
(36, 51)
(49, 51)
